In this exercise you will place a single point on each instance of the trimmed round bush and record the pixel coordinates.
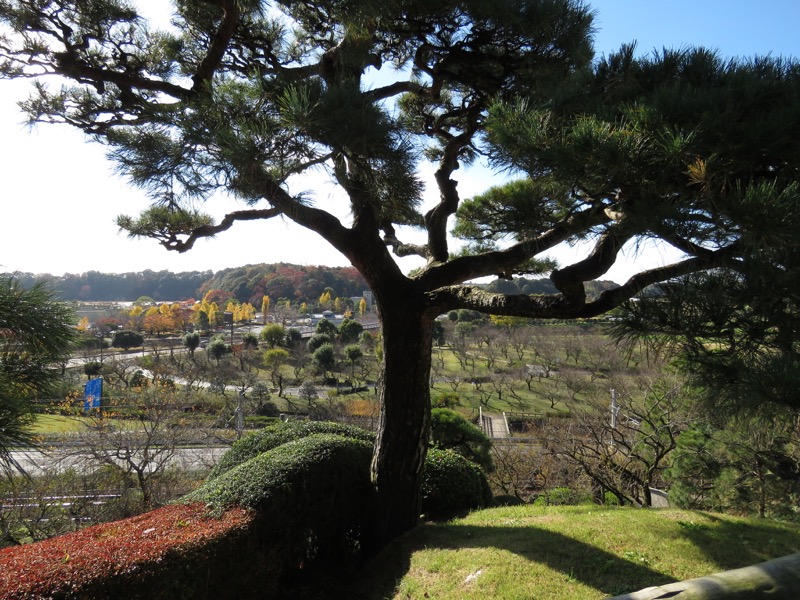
(277, 434)
(309, 466)
(449, 429)
(452, 485)
(312, 496)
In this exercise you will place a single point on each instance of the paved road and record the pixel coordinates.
(36, 462)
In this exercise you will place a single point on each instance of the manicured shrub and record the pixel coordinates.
(452, 485)
(274, 515)
(280, 433)
(154, 556)
(450, 430)
(292, 468)
(312, 495)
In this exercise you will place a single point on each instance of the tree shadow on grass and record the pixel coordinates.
(577, 560)
(728, 543)
(732, 544)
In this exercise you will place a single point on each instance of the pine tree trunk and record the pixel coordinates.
(404, 424)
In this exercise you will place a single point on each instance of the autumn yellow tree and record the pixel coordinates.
(264, 308)
(247, 313)
(83, 325)
(206, 314)
(135, 316)
(325, 299)
(362, 307)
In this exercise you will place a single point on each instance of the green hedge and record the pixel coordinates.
(277, 434)
(452, 485)
(312, 495)
(309, 483)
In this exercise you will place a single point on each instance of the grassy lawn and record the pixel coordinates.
(574, 553)
(54, 424)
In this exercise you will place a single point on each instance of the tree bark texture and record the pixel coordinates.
(777, 579)
(404, 425)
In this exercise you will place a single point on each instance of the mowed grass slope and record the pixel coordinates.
(568, 553)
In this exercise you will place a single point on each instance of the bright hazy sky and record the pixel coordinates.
(59, 195)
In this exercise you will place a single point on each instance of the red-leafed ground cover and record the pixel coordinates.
(53, 567)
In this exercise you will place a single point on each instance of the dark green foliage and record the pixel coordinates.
(35, 336)
(261, 441)
(127, 339)
(317, 340)
(250, 341)
(452, 485)
(736, 333)
(273, 335)
(326, 327)
(92, 369)
(324, 358)
(446, 400)
(746, 467)
(452, 431)
(312, 497)
(543, 285)
(311, 489)
(217, 348)
(293, 336)
(349, 331)
(438, 333)
(286, 478)
(192, 341)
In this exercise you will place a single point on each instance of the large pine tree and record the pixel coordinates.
(241, 95)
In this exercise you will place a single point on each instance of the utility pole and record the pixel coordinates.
(238, 415)
(614, 413)
(614, 408)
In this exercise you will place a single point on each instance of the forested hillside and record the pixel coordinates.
(94, 286)
(292, 282)
(249, 283)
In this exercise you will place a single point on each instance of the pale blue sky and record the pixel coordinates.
(59, 197)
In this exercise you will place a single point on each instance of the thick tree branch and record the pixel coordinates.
(394, 89)
(317, 220)
(216, 50)
(402, 249)
(436, 218)
(569, 280)
(557, 306)
(612, 298)
(70, 66)
(173, 243)
(465, 268)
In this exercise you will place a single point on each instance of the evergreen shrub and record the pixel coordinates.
(253, 444)
(452, 485)
(312, 496)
